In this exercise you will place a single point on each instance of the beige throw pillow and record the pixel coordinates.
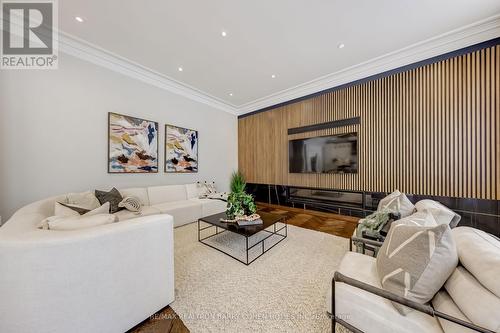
(86, 200)
(414, 262)
(397, 202)
(441, 213)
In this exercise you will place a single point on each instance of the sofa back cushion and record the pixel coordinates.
(167, 193)
(477, 303)
(479, 253)
(140, 193)
(192, 191)
(414, 262)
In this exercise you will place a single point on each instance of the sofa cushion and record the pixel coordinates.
(377, 315)
(397, 202)
(124, 214)
(476, 302)
(479, 253)
(442, 302)
(211, 206)
(183, 212)
(414, 262)
(192, 191)
(167, 193)
(139, 192)
(441, 213)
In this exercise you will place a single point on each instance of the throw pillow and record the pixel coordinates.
(414, 262)
(61, 211)
(80, 222)
(397, 202)
(78, 209)
(479, 252)
(132, 204)
(441, 213)
(203, 191)
(85, 200)
(422, 219)
(113, 197)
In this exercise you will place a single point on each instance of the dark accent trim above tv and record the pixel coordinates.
(425, 62)
(322, 126)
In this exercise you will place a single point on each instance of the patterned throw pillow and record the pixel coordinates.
(132, 204)
(113, 197)
(414, 262)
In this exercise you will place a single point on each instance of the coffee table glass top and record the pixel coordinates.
(249, 230)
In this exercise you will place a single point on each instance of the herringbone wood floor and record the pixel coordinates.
(167, 321)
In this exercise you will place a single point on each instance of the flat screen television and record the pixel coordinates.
(324, 154)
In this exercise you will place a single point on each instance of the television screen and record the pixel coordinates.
(324, 154)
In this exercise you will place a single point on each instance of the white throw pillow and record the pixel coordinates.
(61, 211)
(397, 202)
(86, 200)
(479, 252)
(80, 222)
(441, 213)
(422, 219)
(481, 306)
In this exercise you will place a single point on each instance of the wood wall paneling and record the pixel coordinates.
(433, 130)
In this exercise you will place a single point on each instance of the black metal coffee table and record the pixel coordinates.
(270, 222)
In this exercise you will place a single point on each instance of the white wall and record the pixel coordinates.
(53, 132)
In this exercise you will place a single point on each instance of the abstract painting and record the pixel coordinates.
(181, 149)
(133, 144)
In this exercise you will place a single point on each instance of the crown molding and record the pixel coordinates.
(475, 33)
(81, 49)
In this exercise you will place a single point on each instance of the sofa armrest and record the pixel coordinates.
(72, 281)
(364, 242)
(427, 309)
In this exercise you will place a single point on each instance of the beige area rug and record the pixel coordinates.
(282, 291)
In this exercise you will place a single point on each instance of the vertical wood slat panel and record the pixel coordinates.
(433, 130)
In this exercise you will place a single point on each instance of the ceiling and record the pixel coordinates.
(295, 40)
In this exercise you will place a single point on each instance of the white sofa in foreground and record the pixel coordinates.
(107, 278)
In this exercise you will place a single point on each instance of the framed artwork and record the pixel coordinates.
(181, 149)
(132, 144)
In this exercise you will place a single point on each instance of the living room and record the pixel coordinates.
(250, 166)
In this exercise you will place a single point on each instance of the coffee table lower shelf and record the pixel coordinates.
(274, 232)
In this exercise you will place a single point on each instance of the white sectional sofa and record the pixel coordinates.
(180, 201)
(107, 278)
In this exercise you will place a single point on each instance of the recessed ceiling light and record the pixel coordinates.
(231, 94)
(79, 19)
(223, 33)
(180, 69)
(341, 46)
(273, 76)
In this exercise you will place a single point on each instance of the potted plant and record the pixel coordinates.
(239, 203)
